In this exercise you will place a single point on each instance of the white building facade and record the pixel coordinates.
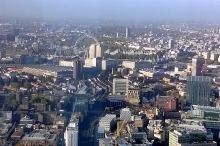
(71, 135)
(120, 86)
(107, 121)
(125, 114)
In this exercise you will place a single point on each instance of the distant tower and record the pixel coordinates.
(15, 32)
(10, 37)
(197, 66)
(92, 51)
(149, 40)
(38, 47)
(117, 35)
(77, 69)
(128, 33)
(95, 51)
(99, 52)
(171, 43)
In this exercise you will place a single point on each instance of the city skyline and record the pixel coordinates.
(168, 10)
(98, 72)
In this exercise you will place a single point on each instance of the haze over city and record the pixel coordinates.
(164, 10)
(109, 72)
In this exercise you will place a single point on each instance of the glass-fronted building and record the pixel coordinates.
(198, 90)
(205, 112)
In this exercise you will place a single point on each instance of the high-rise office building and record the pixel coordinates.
(198, 90)
(10, 38)
(197, 65)
(171, 43)
(15, 32)
(99, 52)
(98, 63)
(120, 86)
(109, 64)
(107, 122)
(191, 135)
(128, 33)
(149, 40)
(77, 69)
(125, 114)
(95, 51)
(92, 51)
(94, 62)
(2, 54)
(72, 133)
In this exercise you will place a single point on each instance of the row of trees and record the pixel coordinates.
(39, 99)
(168, 88)
(6, 62)
(183, 59)
(12, 103)
(45, 79)
(17, 85)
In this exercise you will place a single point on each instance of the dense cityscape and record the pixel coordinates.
(109, 83)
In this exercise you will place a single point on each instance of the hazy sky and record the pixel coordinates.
(114, 9)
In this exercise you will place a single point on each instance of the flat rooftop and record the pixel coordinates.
(17, 134)
(118, 97)
(107, 118)
(150, 71)
(187, 129)
(200, 120)
(199, 78)
(206, 108)
(133, 88)
(126, 109)
(51, 68)
(39, 135)
(74, 122)
(82, 90)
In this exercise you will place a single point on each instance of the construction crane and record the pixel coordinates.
(117, 132)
